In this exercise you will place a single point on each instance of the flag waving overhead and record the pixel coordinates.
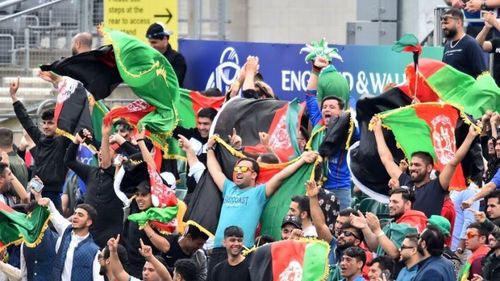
(428, 127)
(16, 227)
(95, 69)
(438, 81)
(190, 102)
(280, 119)
(148, 73)
(291, 260)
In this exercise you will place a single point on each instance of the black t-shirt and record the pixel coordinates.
(225, 272)
(175, 253)
(429, 198)
(465, 55)
(495, 44)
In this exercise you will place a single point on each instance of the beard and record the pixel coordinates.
(449, 33)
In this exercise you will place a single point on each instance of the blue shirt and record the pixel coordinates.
(407, 274)
(339, 175)
(496, 179)
(358, 278)
(241, 207)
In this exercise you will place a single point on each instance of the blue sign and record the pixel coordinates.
(366, 68)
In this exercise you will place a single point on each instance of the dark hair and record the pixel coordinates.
(212, 92)
(195, 233)
(454, 12)
(359, 233)
(233, 231)
(187, 269)
(3, 166)
(426, 156)
(47, 115)
(255, 165)
(264, 239)
(124, 123)
(121, 251)
(207, 112)
(304, 133)
(480, 229)
(497, 222)
(269, 158)
(303, 202)
(434, 240)
(6, 137)
(413, 237)
(405, 193)
(357, 253)
(494, 194)
(339, 100)
(385, 263)
(347, 212)
(91, 211)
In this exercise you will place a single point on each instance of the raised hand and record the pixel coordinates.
(184, 143)
(235, 140)
(309, 156)
(358, 221)
(113, 243)
(145, 250)
(312, 188)
(13, 87)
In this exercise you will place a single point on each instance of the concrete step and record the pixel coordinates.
(26, 82)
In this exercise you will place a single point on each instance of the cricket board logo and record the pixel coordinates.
(293, 272)
(226, 72)
(443, 138)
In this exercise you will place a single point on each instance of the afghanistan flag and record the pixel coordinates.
(16, 227)
(149, 74)
(72, 111)
(438, 81)
(280, 119)
(301, 260)
(367, 170)
(95, 69)
(428, 127)
(190, 102)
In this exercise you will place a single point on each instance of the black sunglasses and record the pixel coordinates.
(349, 233)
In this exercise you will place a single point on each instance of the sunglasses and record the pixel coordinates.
(242, 169)
(471, 235)
(405, 247)
(349, 233)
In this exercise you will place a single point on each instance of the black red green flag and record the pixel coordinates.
(305, 260)
(72, 111)
(95, 69)
(428, 127)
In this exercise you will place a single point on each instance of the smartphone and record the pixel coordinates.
(386, 275)
(36, 185)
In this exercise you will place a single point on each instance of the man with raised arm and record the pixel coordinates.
(429, 194)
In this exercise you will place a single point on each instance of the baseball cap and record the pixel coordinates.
(440, 222)
(157, 31)
(289, 219)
